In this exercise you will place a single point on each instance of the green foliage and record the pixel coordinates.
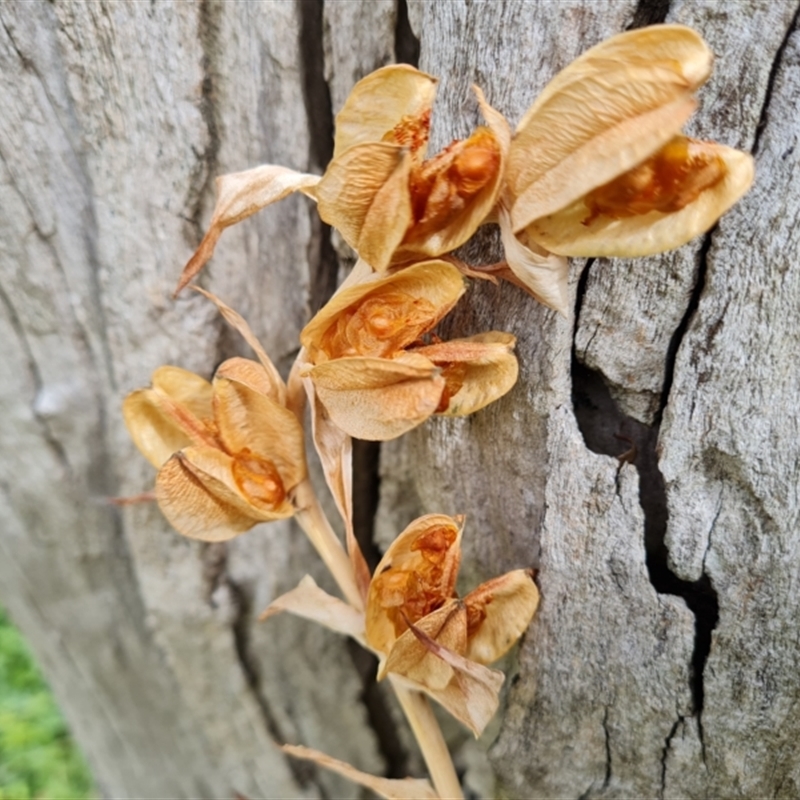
(37, 756)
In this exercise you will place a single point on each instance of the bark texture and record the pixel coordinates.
(663, 660)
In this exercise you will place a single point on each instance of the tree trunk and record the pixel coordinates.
(663, 659)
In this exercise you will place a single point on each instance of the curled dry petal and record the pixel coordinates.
(378, 399)
(683, 196)
(543, 275)
(416, 576)
(498, 613)
(391, 104)
(471, 694)
(601, 116)
(390, 788)
(198, 492)
(364, 194)
(239, 195)
(383, 315)
(307, 600)
(477, 370)
(170, 415)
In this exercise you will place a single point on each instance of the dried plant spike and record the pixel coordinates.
(240, 195)
(389, 788)
(602, 115)
(391, 104)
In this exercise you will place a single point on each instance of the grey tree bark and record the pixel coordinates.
(663, 659)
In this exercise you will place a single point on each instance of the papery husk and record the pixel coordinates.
(566, 232)
(404, 555)
(278, 388)
(378, 399)
(379, 102)
(472, 694)
(239, 195)
(364, 195)
(197, 493)
(420, 242)
(151, 415)
(389, 788)
(491, 369)
(310, 602)
(248, 420)
(437, 282)
(508, 603)
(601, 116)
(410, 656)
(542, 274)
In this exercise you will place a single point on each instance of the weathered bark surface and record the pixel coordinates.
(663, 659)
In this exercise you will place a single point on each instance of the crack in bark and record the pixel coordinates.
(773, 74)
(201, 180)
(664, 752)
(406, 44)
(649, 12)
(601, 422)
(607, 779)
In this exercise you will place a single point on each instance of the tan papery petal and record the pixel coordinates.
(412, 656)
(379, 102)
(199, 505)
(307, 600)
(168, 417)
(378, 399)
(251, 421)
(505, 607)
(421, 241)
(487, 367)
(364, 194)
(543, 274)
(437, 282)
(604, 114)
(568, 232)
(239, 324)
(471, 696)
(239, 195)
(415, 552)
(390, 788)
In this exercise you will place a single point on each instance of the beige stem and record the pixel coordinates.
(313, 521)
(431, 742)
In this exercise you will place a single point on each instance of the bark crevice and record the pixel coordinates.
(773, 74)
(406, 44)
(606, 430)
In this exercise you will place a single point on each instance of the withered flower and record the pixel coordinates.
(390, 203)
(374, 372)
(598, 166)
(228, 453)
(433, 640)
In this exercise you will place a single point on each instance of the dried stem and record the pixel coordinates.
(314, 522)
(431, 742)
